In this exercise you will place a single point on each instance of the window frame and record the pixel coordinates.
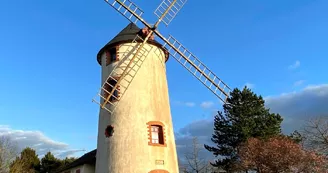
(109, 55)
(161, 133)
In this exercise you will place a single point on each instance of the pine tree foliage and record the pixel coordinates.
(28, 162)
(49, 163)
(244, 116)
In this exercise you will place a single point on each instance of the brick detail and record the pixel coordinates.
(107, 58)
(162, 130)
(117, 52)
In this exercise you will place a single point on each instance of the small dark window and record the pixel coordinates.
(78, 171)
(108, 89)
(111, 55)
(109, 131)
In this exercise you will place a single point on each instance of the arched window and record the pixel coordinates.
(156, 133)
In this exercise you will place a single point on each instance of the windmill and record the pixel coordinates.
(134, 94)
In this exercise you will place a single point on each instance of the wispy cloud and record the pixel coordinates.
(38, 141)
(249, 85)
(298, 83)
(207, 104)
(188, 104)
(295, 65)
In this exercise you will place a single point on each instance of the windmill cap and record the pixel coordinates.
(127, 35)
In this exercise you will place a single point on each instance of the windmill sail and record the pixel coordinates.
(175, 48)
(127, 8)
(173, 8)
(197, 68)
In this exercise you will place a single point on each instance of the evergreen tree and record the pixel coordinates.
(67, 161)
(50, 163)
(28, 161)
(244, 116)
(296, 137)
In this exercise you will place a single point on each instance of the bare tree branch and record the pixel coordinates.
(8, 152)
(195, 163)
(315, 133)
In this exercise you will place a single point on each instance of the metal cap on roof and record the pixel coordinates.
(125, 36)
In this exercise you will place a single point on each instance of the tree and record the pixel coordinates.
(244, 116)
(17, 166)
(182, 167)
(8, 152)
(279, 154)
(67, 161)
(315, 132)
(50, 163)
(28, 161)
(297, 137)
(194, 162)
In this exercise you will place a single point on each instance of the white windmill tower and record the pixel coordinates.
(134, 97)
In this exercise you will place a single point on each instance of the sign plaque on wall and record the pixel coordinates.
(159, 162)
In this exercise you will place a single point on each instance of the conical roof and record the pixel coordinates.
(127, 35)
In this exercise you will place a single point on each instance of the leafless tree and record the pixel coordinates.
(182, 166)
(315, 134)
(196, 164)
(8, 152)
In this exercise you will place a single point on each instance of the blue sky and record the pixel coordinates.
(49, 72)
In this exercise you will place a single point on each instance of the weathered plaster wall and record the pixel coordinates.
(145, 100)
(88, 168)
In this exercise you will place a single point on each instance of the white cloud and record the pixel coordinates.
(188, 104)
(297, 107)
(207, 104)
(249, 85)
(36, 140)
(295, 65)
(69, 153)
(298, 83)
(294, 107)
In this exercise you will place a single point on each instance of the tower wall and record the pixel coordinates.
(145, 101)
